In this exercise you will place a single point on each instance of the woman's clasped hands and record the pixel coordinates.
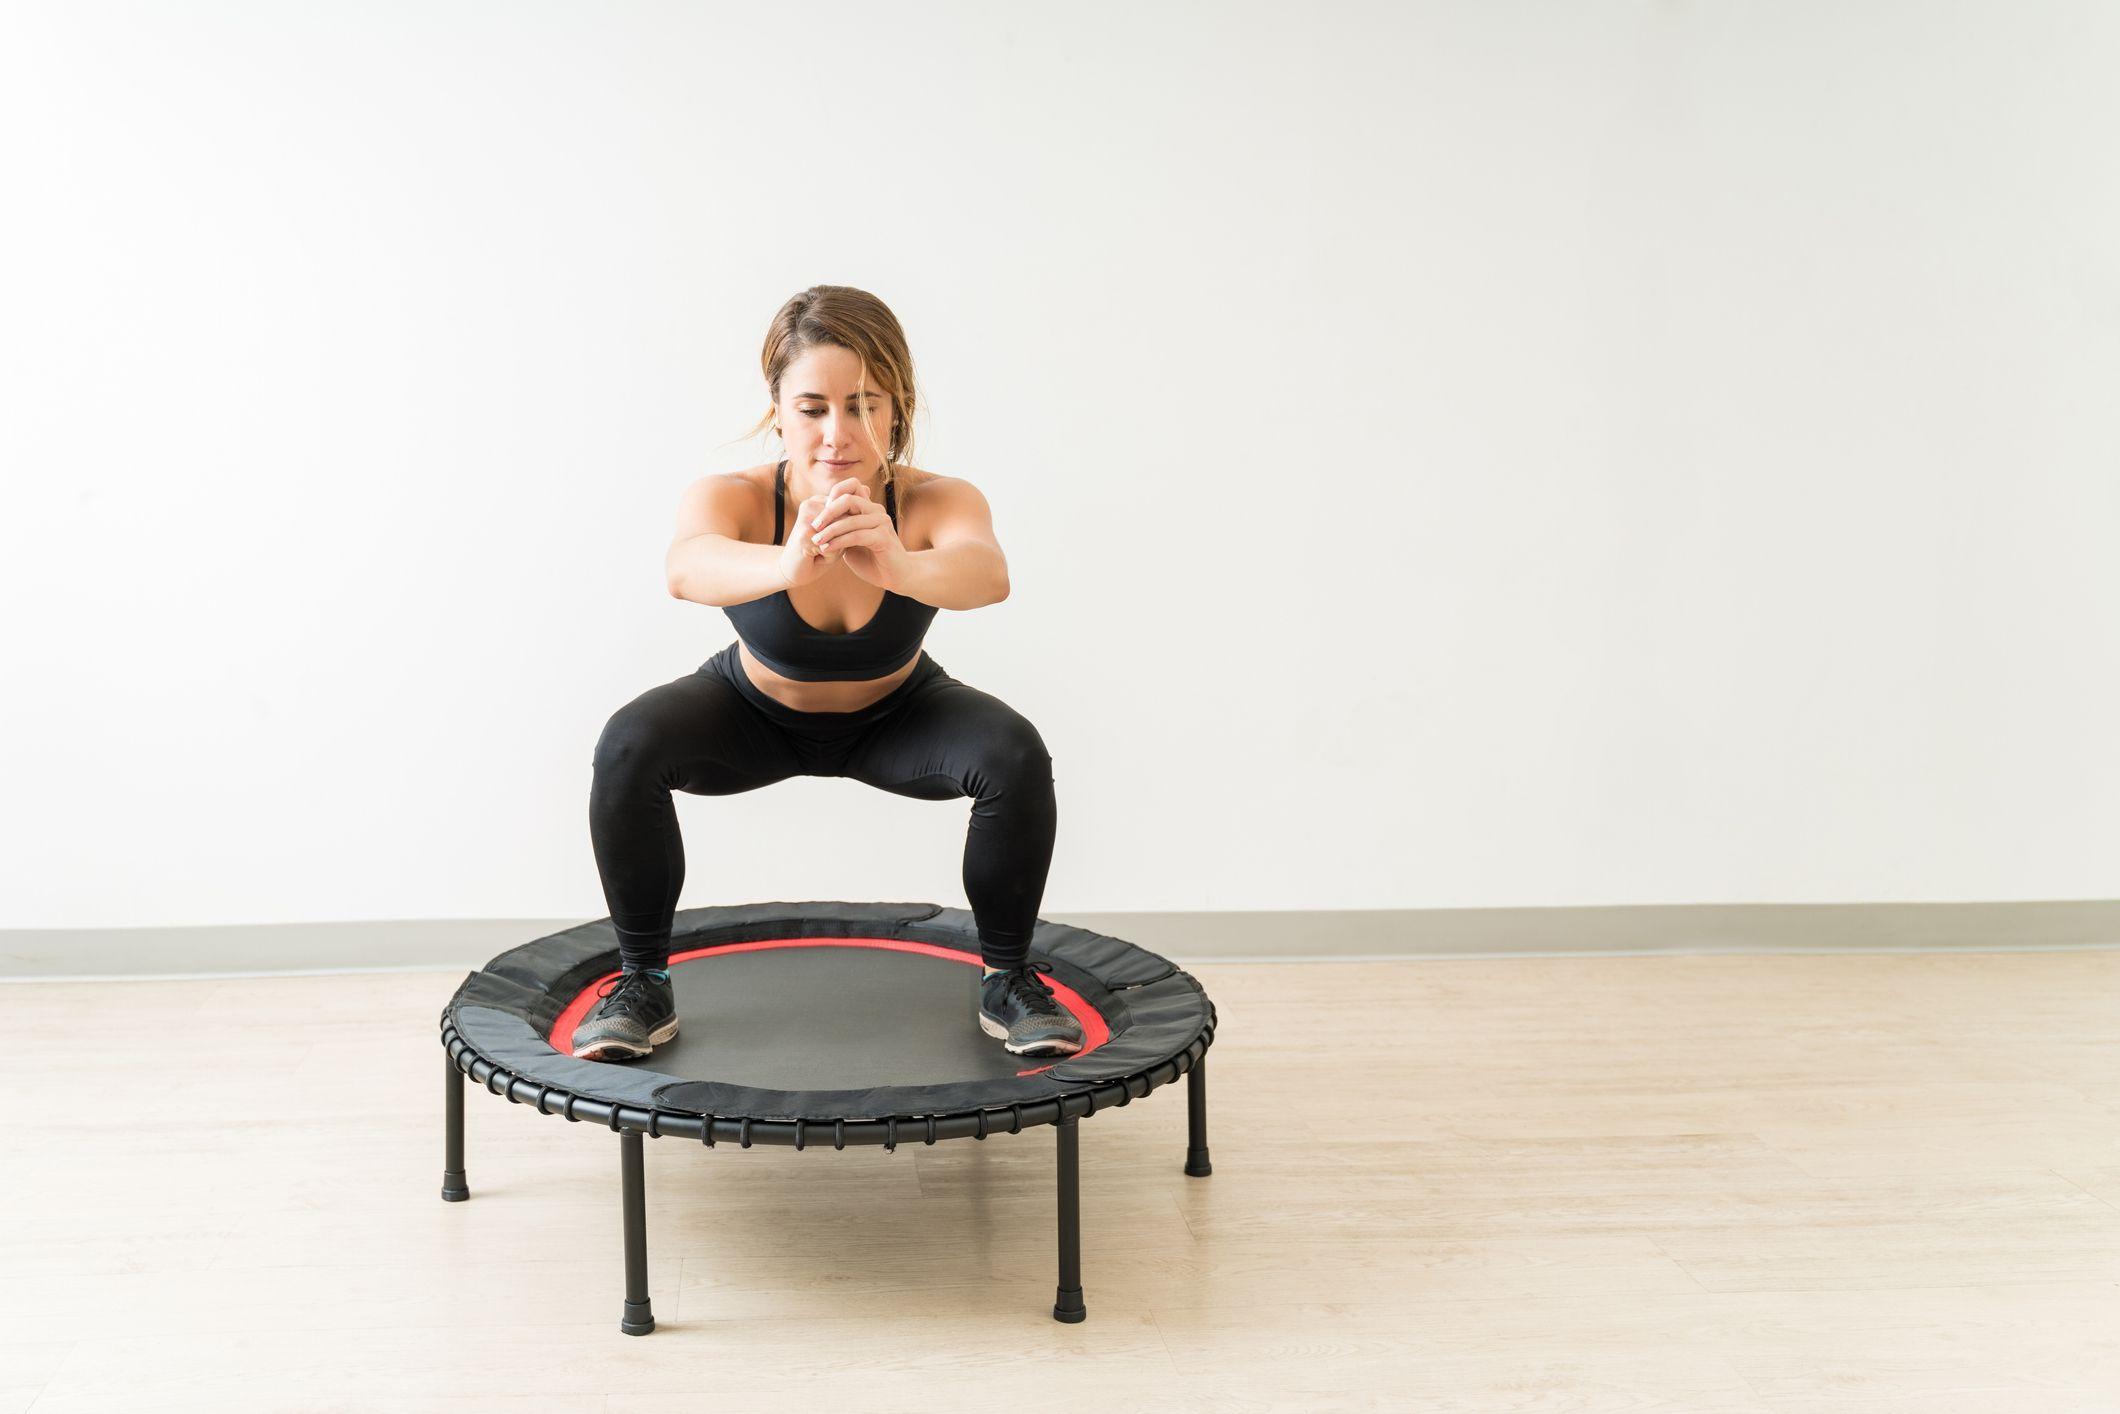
(843, 525)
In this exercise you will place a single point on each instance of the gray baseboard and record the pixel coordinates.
(1329, 935)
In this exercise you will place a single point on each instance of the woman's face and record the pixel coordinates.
(821, 406)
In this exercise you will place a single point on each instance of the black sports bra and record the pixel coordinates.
(779, 638)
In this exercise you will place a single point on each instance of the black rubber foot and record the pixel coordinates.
(1196, 1163)
(1067, 1305)
(639, 1320)
(454, 1187)
(455, 1195)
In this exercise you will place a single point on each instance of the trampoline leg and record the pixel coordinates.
(639, 1319)
(1196, 1163)
(1067, 1300)
(454, 1189)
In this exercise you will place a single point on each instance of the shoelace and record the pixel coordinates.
(1026, 986)
(620, 993)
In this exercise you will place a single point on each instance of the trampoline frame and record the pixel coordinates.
(463, 1060)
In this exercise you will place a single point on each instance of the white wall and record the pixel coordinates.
(1448, 455)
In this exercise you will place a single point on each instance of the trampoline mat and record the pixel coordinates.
(833, 1014)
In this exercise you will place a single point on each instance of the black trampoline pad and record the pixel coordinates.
(823, 1016)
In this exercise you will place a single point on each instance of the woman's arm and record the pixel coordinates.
(707, 562)
(966, 568)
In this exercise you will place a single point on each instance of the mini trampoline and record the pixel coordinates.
(823, 1025)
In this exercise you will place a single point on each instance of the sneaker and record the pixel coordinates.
(638, 1013)
(1020, 1009)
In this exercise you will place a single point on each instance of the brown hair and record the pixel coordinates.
(844, 317)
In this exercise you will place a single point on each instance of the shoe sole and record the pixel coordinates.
(620, 1050)
(1043, 1048)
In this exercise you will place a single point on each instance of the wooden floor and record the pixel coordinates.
(1881, 1184)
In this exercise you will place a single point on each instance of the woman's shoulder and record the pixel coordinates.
(759, 478)
(744, 497)
(919, 489)
(927, 498)
(912, 481)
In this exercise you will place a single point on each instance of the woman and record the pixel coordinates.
(827, 676)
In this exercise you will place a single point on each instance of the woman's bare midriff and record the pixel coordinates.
(820, 696)
(831, 696)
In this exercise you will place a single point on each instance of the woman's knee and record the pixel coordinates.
(631, 742)
(1014, 755)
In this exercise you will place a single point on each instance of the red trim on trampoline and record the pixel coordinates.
(1095, 1032)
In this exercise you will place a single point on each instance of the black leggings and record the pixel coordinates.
(713, 732)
